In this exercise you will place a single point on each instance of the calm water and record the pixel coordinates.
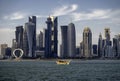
(89, 70)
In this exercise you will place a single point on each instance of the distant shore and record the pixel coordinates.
(52, 59)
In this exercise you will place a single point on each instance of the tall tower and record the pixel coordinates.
(19, 36)
(52, 40)
(71, 40)
(30, 37)
(100, 46)
(107, 44)
(41, 40)
(64, 45)
(87, 43)
(116, 46)
(107, 36)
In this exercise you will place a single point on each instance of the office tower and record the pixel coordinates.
(14, 45)
(64, 45)
(30, 38)
(19, 36)
(100, 46)
(32, 19)
(77, 51)
(81, 49)
(87, 43)
(116, 46)
(107, 48)
(41, 40)
(95, 50)
(3, 48)
(71, 36)
(44, 36)
(8, 52)
(107, 34)
(51, 45)
(25, 42)
(60, 55)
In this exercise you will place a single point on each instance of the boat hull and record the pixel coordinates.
(63, 62)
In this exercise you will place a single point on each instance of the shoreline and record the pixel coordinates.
(52, 59)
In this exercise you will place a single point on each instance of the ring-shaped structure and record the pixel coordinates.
(21, 53)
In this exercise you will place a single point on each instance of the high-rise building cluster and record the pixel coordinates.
(45, 44)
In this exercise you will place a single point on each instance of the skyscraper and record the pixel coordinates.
(100, 46)
(87, 43)
(25, 42)
(33, 20)
(19, 36)
(41, 39)
(51, 40)
(3, 48)
(71, 36)
(116, 46)
(64, 45)
(107, 44)
(30, 37)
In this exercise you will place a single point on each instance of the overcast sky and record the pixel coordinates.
(96, 14)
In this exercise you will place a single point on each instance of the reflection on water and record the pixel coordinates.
(89, 70)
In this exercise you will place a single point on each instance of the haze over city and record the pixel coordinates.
(96, 14)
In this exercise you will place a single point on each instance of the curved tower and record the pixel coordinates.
(71, 40)
(30, 35)
(87, 43)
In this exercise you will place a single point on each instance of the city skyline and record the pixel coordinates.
(95, 14)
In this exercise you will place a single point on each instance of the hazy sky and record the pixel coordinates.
(96, 14)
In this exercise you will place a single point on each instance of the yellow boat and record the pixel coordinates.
(66, 62)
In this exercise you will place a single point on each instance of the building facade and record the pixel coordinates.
(87, 43)
(30, 37)
(100, 46)
(64, 45)
(3, 49)
(51, 39)
(19, 36)
(71, 36)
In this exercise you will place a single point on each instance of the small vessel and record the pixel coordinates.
(66, 62)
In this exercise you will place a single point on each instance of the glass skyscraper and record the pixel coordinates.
(68, 46)
(100, 46)
(51, 39)
(64, 45)
(19, 36)
(30, 36)
(71, 40)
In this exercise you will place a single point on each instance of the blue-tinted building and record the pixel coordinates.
(19, 36)
(116, 46)
(30, 38)
(64, 45)
(51, 40)
(95, 49)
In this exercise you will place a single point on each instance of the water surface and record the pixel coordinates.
(78, 70)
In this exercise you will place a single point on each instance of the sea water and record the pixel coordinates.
(47, 70)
